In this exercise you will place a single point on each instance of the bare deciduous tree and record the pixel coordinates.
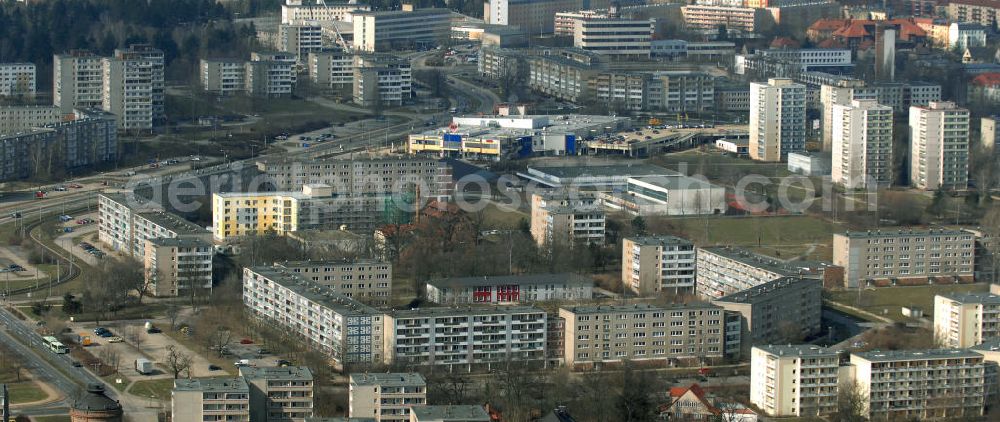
(219, 339)
(177, 361)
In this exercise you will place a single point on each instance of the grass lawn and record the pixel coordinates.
(160, 389)
(890, 299)
(110, 379)
(25, 392)
(506, 218)
(782, 237)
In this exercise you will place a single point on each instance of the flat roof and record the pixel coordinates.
(984, 298)
(172, 222)
(760, 290)
(614, 170)
(746, 257)
(463, 311)
(898, 233)
(460, 412)
(796, 350)
(324, 295)
(529, 279)
(676, 182)
(987, 346)
(330, 262)
(328, 235)
(896, 355)
(277, 372)
(395, 379)
(179, 242)
(234, 385)
(638, 307)
(659, 240)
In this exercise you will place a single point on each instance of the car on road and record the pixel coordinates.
(15, 268)
(15, 215)
(83, 221)
(67, 230)
(76, 364)
(76, 186)
(154, 330)
(59, 189)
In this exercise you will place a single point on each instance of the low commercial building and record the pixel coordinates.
(280, 394)
(450, 413)
(951, 383)
(566, 219)
(809, 163)
(642, 332)
(385, 397)
(614, 36)
(654, 264)
(179, 266)
(210, 399)
(333, 324)
(963, 320)
(912, 256)
(736, 147)
(476, 337)
(17, 79)
(765, 310)
(395, 29)
(381, 80)
(600, 178)
(509, 289)
(794, 380)
(670, 195)
(365, 280)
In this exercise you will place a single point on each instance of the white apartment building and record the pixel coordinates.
(342, 328)
(17, 79)
(78, 81)
(385, 30)
(369, 176)
(322, 11)
(210, 399)
(279, 394)
(862, 145)
(331, 67)
(963, 320)
(939, 146)
(794, 380)
(509, 289)
(564, 22)
(707, 17)
(614, 36)
(20, 119)
(385, 397)
(300, 39)
(270, 74)
(598, 335)
(382, 79)
(920, 384)
(653, 264)
(133, 87)
(222, 76)
(963, 35)
(566, 218)
(125, 224)
(475, 337)
(915, 255)
(722, 271)
(173, 266)
(777, 119)
(368, 281)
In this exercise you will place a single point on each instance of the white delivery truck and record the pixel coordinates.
(143, 366)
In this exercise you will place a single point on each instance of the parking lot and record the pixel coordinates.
(81, 233)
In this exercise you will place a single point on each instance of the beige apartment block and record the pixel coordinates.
(566, 218)
(279, 394)
(765, 310)
(599, 335)
(939, 146)
(964, 320)
(175, 266)
(777, 119)
(653, 264)
(726, 270)
(77, 80)
(210, 399)
(904, 256)
(368, 281)
(862, 145)
(920, 384)
(386, 397)
(794, 380)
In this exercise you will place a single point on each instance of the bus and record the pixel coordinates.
(54, 345)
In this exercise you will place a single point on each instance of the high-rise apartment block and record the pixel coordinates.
(223, 76)
(133, 87)
(385, 397)
(566, 218)
(77, 81)
(178, 266)
(777, 119)
(340, 327)
(300, 39)
(381, 80)
(862, 145)
(939, 146)
(466, 338)
(365, 280)
(331, 67)
(765, 310)
(964, 320)
(794, 380)
(653, 264)
(279, 394)
(270, 74)
(877, 257)
(920, 384)
(597, 335)
(614, 36)
(17, 79)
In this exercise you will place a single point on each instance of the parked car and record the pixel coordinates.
(76, 186)
(76, 364)
(115, 339)
(214, 368)
(15, 268)
(64, 218)
(246, 341)
(15, 215)
(60, 189)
